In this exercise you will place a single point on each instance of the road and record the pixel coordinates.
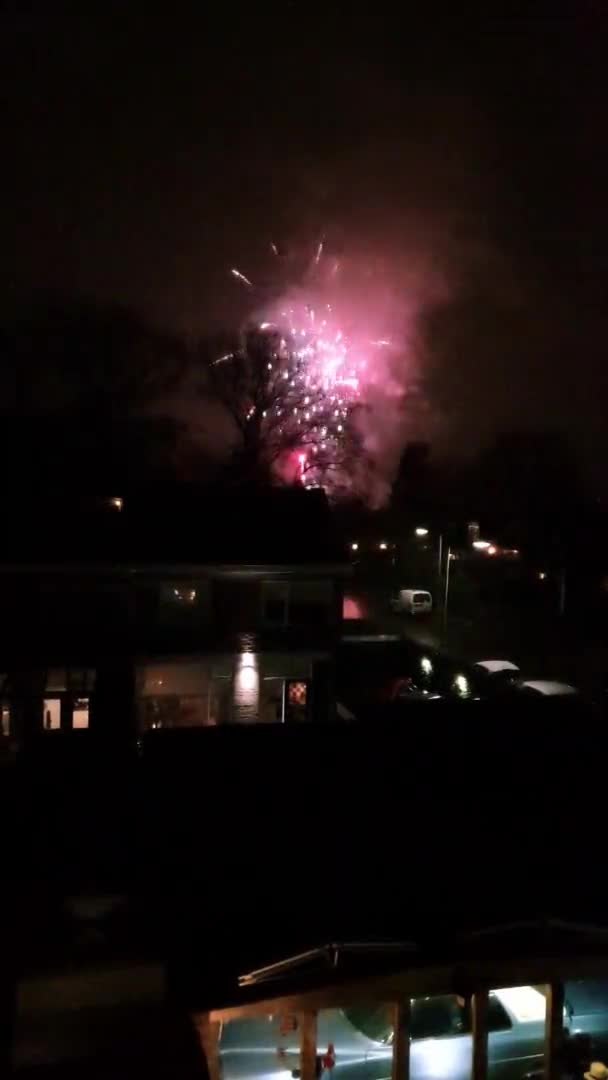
(549, 648)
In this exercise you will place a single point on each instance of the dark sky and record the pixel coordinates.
(143, 155)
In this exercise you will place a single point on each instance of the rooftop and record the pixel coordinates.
(278, 527)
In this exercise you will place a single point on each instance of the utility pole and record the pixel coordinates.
(446, 593)
(440, 557)
(562, 591)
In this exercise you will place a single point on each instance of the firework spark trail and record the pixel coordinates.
(331, 366)
(241, 277)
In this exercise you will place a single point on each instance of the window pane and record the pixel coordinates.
(51, 714)
(173, 711)
(436, 1017)
(80, 714)
(267, 1048)
(184, 678)
(516, 1027)
(182, 602)
(358, 1040)
(441, 1042)
(297, 700)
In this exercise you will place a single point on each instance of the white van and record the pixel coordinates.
(412, 602)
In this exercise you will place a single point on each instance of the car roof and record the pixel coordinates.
(496, 665)
(549, 687)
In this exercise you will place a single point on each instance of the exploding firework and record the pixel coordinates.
(319, 369)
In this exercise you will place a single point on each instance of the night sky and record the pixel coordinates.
(144, 155)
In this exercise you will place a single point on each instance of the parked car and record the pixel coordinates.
(440, 1031)
(412, 602)
(547, 688)
(492, 678)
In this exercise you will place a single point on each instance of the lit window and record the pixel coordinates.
(5, 720)
(51, 714)
(297, 693)
(179, 597)
(80, 714)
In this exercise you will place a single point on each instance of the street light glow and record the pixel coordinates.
(481, 545)
(354, 547)
(383, 546)
(421, 531)
(492, 549)
(427, 665)
(542, 576)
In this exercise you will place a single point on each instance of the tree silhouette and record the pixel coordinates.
(288, 427)
(82, 391)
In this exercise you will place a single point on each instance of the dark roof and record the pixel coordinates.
(279, 527)
(338, 963)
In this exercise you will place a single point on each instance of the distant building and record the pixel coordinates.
(176, 612)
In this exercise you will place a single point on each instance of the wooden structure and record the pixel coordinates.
(473, 966)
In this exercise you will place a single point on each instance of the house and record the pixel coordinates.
(167, 611)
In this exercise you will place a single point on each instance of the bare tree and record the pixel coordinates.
(291, 425)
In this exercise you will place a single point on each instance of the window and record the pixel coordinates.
(51, 714)
(80, 714)
(183, 602)
(299, 603)
(275, 603)
(587, 996)
(173, 695)
(5, 719)
(297, 700)
(498, 1018)
(80, 681)
(282, 700)
(435, 1017)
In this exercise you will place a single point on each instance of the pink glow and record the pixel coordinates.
(345, 333)
(351, 608)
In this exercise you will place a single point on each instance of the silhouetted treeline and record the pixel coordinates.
(92, 398)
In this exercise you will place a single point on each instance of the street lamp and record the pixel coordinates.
(446, 594)
(421, 531)
(383, 546)
(354, 547)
